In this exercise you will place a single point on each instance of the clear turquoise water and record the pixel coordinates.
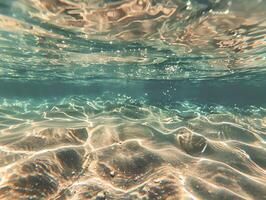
(132, 99)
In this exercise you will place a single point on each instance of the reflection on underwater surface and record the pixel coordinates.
(132, 99)
(139, 39)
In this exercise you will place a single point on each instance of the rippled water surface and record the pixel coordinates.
(132, 99)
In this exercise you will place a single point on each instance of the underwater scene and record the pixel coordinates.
(132, 99)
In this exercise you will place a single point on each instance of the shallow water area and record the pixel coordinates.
(141, 99)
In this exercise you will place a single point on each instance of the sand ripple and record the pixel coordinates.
(132, 152)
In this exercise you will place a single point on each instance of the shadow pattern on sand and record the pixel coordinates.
(103, 150)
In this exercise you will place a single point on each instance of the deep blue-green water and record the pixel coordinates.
(132, 99)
